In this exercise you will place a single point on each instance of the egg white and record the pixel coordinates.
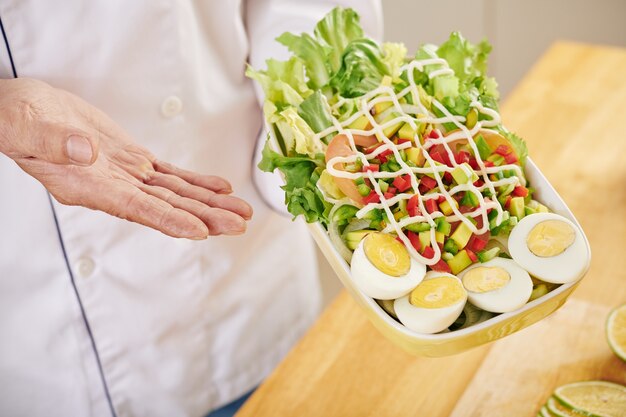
(565, 267)
(428, 320)
(508, 298)
(376, 284)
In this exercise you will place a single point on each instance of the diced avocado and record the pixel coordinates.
(464, 173)
(374, 214)
(529, 210)
(415, 155)
(484, 150)
(469, 199)
(417, 227)
(402, 153)
(459, 262)
(446, 208)
(353, 238)
(472, 118)
(505, 190)
(407, 132)
(443, 226)
(461, 235)
(439, 237)
(542, 209)
(391, 130)
(425, 238)
(361, 123)
(451, 247)
(398, 215)
(516, 207)
(488, 254)
(382, 106)
(496, 159)
(539, 291)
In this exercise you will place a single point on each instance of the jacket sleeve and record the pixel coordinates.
(267, 19)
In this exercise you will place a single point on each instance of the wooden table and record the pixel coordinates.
(571, 109)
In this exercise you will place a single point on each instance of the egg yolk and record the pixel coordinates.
(437, 293)
(485, 278)
(550, 238)
(387, 254)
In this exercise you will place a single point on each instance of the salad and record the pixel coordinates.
(404, 160)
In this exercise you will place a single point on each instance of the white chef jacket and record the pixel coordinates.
(99, 316)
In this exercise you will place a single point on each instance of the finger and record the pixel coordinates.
(211, 182)
(61, 145)
(218, 221)
(184, 189)
(130, 203)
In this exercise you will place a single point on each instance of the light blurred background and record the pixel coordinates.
(519, 31)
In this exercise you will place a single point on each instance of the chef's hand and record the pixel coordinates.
(84, 158)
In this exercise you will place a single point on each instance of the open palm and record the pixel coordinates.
(84, 158)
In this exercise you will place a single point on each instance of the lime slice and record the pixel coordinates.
(544, 412)
(594, 398)
(616, 331)
(559, 410)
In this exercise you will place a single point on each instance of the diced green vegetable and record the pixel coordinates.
(484, 150)
(364, 190)
(443, 226)
(417, 227)
(469, 199)
(516, 207)
(451, 247)
(383, 185)
(488, 254)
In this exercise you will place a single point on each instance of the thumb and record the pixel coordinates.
(66, 148)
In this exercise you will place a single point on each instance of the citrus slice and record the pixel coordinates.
(616, 331)
(559, 410)
(544, 412)
(593, 398)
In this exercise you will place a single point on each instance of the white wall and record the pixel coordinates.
(520, 31)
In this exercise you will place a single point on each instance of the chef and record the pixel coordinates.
(112, 113)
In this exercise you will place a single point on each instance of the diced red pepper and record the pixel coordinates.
(473, 163)
(472, 255)
(392, 190)
(437, 157)
(510, 158)
(479, 183)
(475, 244)
(402, 183)
(448, 177)
(382, 157)
(388, 195)
(400, 141)
(507, 203)
(441, 199)
(433, 134)
(431, 205)
(441, 266)
(415, 240)
(371, 167)
(427, 183)
(428, 252)
(503, 150)
(489, 164)
(412, 206)
(399, 240)
(462, 156)
(520, 191)
(372, 197)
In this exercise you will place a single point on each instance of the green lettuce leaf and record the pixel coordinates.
(362, 69)
(337, 29)
(296, 133)
(315, 111)
(394, 55)
(314, 55)
(301, 173)
(518, 145)
(283, 82)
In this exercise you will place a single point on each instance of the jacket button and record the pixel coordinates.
(171, 106)
(85, 267)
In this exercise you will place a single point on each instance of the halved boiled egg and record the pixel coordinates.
(433, 305)
(499, 285)
(550, 247)
(382, 267)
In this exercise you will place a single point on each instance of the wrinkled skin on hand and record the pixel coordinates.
(84, 158)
